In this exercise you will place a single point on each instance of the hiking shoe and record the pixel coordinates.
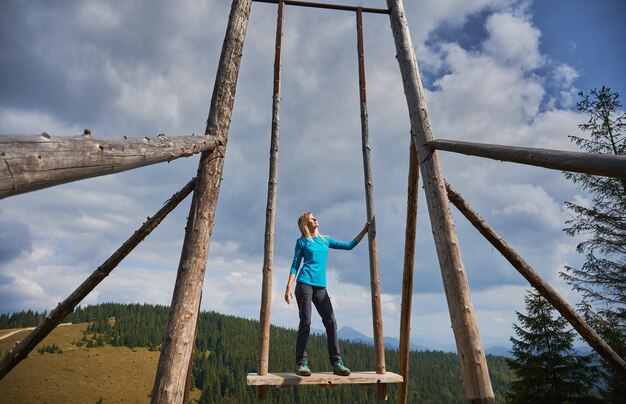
(303, 370)
(340, 369)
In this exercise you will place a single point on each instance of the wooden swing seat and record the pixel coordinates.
(322, 379)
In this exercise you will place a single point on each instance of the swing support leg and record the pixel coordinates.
(270, 218)
(381, 389)
(469, 345)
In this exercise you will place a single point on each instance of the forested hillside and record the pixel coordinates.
(226, 350)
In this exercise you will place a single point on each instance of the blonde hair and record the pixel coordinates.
(302, 224)
(304, 228)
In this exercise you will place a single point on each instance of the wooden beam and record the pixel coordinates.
(551, 295)
(410, 236)
(327, 6)
(21, 350)
(322, 379)
(29, 163)
(178, 343)
(377, 315)
(469, 345)
(270, 216)
(580, 162)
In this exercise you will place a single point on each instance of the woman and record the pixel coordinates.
(312, 248)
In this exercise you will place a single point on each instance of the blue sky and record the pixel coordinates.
(586, 36)
(498, 71)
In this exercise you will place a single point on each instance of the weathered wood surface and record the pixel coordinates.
(178, 344)
(29, 163)
(469, 345)
(377, 312)
(322, 379)
(21, 350)
(326, 5)
(407, 273)
(567, 311)
(270, 216)
(580, 162)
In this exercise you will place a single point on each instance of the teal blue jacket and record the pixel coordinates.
(314, 252)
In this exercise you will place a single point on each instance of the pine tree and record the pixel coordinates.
(603, 276)
(614, 386)
(548, 369)
(602, 222)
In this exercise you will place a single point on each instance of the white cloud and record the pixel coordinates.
(137, 285)
(527, 200)
(513, 42)
(563, 77)
(36, 286)
(17, 121)
(424, 17)
(582, 200)
(98, 16)
(566, 74)
(145, 95)
(549, 130)
(489, 300)
(489, 100)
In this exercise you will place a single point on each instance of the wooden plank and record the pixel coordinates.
(322, 379)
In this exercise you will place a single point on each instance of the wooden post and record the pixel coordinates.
(188, 383)
(178, 343)
(469, 345)
(377, 317)
(590, 163)
(270, 217)
(29, 163)
(538, 283)
(407, 276)
(21, 350)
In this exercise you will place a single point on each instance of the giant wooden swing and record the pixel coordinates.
(36, 162)
(262, 378)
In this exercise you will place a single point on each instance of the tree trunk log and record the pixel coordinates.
(29, 163)
(24, 347)
(178, 343)
(270, 217)
(407, 276)
(589, 163)
(469, 345)
(567, 311)
(377, 316)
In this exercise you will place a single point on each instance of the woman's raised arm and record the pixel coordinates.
(362, 233)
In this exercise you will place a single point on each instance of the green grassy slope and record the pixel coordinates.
(78, 375)
(225, 352)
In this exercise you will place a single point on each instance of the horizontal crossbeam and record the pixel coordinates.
(327, 6)
(609, 165)
(322, 379)
(30, 163)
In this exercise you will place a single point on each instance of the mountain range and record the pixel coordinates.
(495, 347)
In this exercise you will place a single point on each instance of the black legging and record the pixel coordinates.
(305, 294)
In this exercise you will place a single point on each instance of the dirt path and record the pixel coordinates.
(15, 332)
(24, 329)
